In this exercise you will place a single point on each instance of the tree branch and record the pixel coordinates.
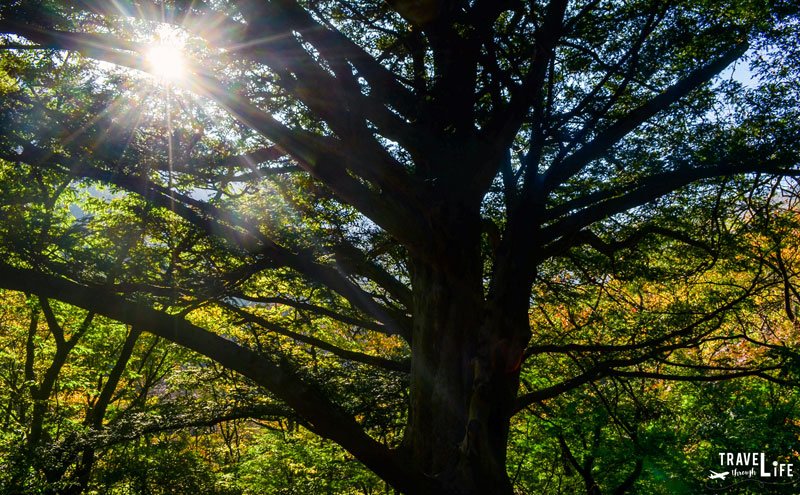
(359, 357)
(324, 417)
(649, 189)
(321, 157)
(560, 172)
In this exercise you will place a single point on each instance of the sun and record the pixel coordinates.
(166, 61)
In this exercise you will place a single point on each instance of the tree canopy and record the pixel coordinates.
(445, 235)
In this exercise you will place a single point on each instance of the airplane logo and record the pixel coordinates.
(718, 476)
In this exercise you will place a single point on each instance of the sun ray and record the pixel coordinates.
(118, 107)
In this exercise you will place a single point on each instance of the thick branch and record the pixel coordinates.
(560, 172)
(209, 222)
(325, 418)
(507, 120)
(608, 248)
(319, 156)
(647, 190)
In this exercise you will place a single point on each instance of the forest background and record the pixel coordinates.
(429, 246)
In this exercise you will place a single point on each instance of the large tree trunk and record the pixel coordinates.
(464, 372)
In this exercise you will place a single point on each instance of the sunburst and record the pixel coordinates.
(165, 57)
(166, 61)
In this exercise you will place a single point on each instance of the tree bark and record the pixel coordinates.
(464, 370)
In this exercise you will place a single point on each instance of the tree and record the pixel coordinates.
(402, 186)
(79, 387)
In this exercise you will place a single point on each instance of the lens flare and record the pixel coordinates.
(166, 61)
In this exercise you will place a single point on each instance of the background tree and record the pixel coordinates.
(401, 186)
